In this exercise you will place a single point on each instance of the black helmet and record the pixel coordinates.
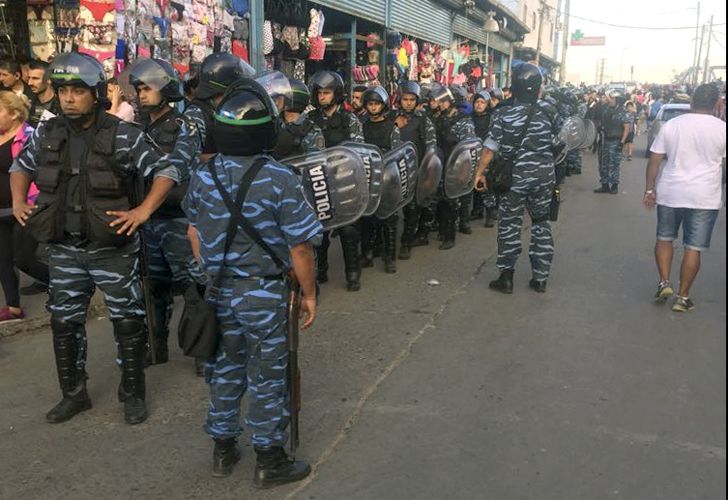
(245, 122)
(409, 87)
(459, 94)
(158, 75)
(482, 94)
(299, 97)
(526, 84)
(496, 92)
(79, 70)
(327, 80)
(220, 70)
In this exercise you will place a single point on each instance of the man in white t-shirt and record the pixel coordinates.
(688, 191)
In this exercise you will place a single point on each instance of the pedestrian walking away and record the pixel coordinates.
(688, 194)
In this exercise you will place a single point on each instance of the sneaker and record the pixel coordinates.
(664, 292)
(34, 288)
(9, 316)
(683, 304)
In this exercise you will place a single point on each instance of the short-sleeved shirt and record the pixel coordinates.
(274, 205)
(535, 160)
(694, 144)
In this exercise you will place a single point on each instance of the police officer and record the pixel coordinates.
(452, 127)
(338, 125)
(84, 163)
(172, 266)
(533, 178)
(298, 134)
(253, 289)
(615, 124)
(481, 120)
(414, 126)
(380, 130)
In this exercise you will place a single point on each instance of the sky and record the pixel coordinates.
(655, 54)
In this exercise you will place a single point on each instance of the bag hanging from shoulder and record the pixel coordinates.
(500, 172)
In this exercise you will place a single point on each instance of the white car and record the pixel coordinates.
(667, 112)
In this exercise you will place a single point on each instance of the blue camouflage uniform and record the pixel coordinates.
(610, 156)
(532, 186)
(252, 305)
(78, 266)
(172, 265)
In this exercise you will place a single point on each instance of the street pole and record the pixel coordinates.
(541, 11)
(700, 56)
(487, 60)
(696, 61)
(707, 52)
(564, 42)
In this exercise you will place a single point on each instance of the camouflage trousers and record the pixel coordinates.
(75, 272)
(537, 202)
(172, 266)
(252, 355)
(573, 161)
(610, 156)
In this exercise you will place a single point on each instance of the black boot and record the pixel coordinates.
(464, 214)
(404, 251)
(224, 457)
(71, 379)
(349, 237)
(274, 468)
(368, 240)
(538, 286)
(131, 335)
(478, 207)
(390, 245)
(614, 189)
(411, 220)
(603, 189)
(162, 299)
(448, 228)
(491, 216)
(504, 283)
(421, 239)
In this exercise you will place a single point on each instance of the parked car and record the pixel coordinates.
(666, 113)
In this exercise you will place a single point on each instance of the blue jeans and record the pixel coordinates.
(697, 226)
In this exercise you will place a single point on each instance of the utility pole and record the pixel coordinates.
(564, 42)
(707, 52)
(696, 61)
(541, 13)
(700, 56)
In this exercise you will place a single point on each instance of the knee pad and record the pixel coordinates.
(62, 328)
(128, 327)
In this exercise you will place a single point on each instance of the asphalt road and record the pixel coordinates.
(431, 392)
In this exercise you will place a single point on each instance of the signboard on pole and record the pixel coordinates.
(578, 39)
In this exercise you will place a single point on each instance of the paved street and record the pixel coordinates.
(431, 392)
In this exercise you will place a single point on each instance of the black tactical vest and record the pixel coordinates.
(208, 111)
(379, 134)
(446, 137)
(290, 139)
(335, 127)
(75, 195)
(164, 132)
(415, 132)
(612, 124)
(482, 124)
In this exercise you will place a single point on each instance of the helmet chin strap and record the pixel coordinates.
(154, 108)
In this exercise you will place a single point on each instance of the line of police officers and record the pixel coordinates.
(102, 179)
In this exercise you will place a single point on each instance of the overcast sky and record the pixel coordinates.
(654, 54)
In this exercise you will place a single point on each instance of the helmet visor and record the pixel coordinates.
(275, 83)
(76, 69)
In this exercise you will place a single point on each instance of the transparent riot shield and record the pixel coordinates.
(374, 166)
(428, 178)
(572, 133)
(459, 175)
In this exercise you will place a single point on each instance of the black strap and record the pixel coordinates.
(524, 129)
(236, 211)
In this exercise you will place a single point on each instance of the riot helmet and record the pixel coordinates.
(218, 71)
(376, 94)
(298, 99)
(526, 84)
(79, 70)
(158, 75)
(482, 94)
(277, 85)
(460, 95)
(409, 87)
(496, 93)
(245, 122)
(327, 80)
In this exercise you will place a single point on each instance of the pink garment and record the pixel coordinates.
(125, 112)
(24, 133)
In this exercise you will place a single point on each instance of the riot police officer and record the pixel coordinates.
(172, 266)
(250, 284)
(298, 134)
(452, 127)
(532, 180)
(481, 120)
(85, 163)
(338, 125)
(615, 125)
(414, 126)
(380, 130)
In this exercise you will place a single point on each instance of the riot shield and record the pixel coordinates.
(334, 184)
(460, 169)
(391, 198)
(405, 157)
(428, 178)
(573, 133)
(591, 134)
(374, 165)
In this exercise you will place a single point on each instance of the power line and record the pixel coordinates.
(641, 27)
